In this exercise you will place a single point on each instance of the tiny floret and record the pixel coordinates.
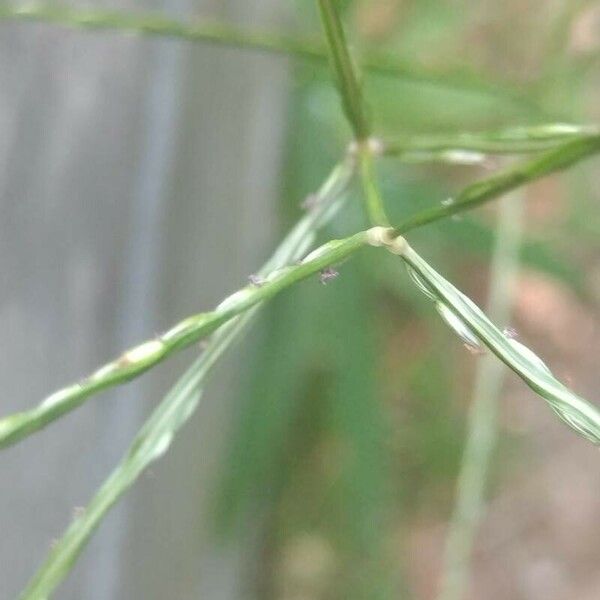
(143, 352)
(327, 275)
(78, 512)
(256, 280)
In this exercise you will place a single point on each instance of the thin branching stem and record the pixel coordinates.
(471, 323)
(482, 422)
(156, 435)
(139, 359)
(230, 317)
(343, 67)
(354, 108)
(15, 427)
(492, 187)
(474, 147)
(372, 196)
(161, 25)
(476, 330)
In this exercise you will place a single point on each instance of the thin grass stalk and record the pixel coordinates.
(161, 25)
(18, 426)
(482, 426)
(372, 197)
(235, 312)
(474, 327)
(471, 324)
(552, 161)
(473, 148)
(155, 437)
(136, 361)
(141, 358)
(344, 70)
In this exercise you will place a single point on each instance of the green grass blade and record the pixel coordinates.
(156, 435)
(466, 317)
(161, 25)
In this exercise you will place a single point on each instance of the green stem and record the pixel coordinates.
(475, 328)
(18, 426)
(373, 201)
(161, 25)
(482, 191)
(136, 361)
(155, 436)
(471, 323)
(518, 140)
(343, 68)
(482, 422)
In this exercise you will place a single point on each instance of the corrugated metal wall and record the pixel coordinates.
(137, 183)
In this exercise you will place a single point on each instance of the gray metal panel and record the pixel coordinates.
(137, 180)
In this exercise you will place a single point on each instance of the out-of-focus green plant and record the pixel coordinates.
(350, 424)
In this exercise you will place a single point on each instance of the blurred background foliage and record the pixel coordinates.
(352, 413)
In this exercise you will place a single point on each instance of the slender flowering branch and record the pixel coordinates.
(474, 147)
(160, 25)
(354, 107)
(156, 24)
(472, 325)
(230, 317)
(343, 67)
(372, 196)
(155, 437)
(139, 359)
(492, 187)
